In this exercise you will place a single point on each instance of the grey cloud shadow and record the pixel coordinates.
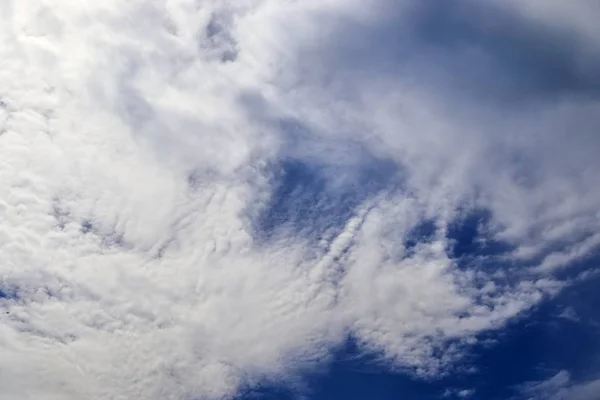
(218, 39)
(464, 49)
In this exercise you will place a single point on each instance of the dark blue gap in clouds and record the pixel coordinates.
(423, 232)
(352, 375)
(533, 347)
(471, 237)
(312, 199)
(8, 293)
(562, 333)
(472, 246)
(541, 343)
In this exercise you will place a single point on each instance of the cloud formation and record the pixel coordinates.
(561, 387)
(200, 196)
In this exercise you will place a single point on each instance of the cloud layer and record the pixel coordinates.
(197, 197)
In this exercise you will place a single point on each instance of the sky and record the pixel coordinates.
(284, 199)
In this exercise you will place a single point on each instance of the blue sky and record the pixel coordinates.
(559, 335)
(322, 199)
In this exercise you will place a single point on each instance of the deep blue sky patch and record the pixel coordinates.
(563, 333)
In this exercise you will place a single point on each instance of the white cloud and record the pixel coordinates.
(561, 387)
(137, 146)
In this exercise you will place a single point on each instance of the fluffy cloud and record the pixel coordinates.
(199, 196)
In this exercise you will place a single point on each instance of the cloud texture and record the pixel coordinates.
(199, 196)
(560, 387)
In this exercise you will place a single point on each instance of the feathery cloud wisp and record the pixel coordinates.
(199, 196)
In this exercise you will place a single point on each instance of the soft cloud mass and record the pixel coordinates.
(199, 196)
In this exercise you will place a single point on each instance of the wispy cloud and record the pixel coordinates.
(561, 386)
(197, 196)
